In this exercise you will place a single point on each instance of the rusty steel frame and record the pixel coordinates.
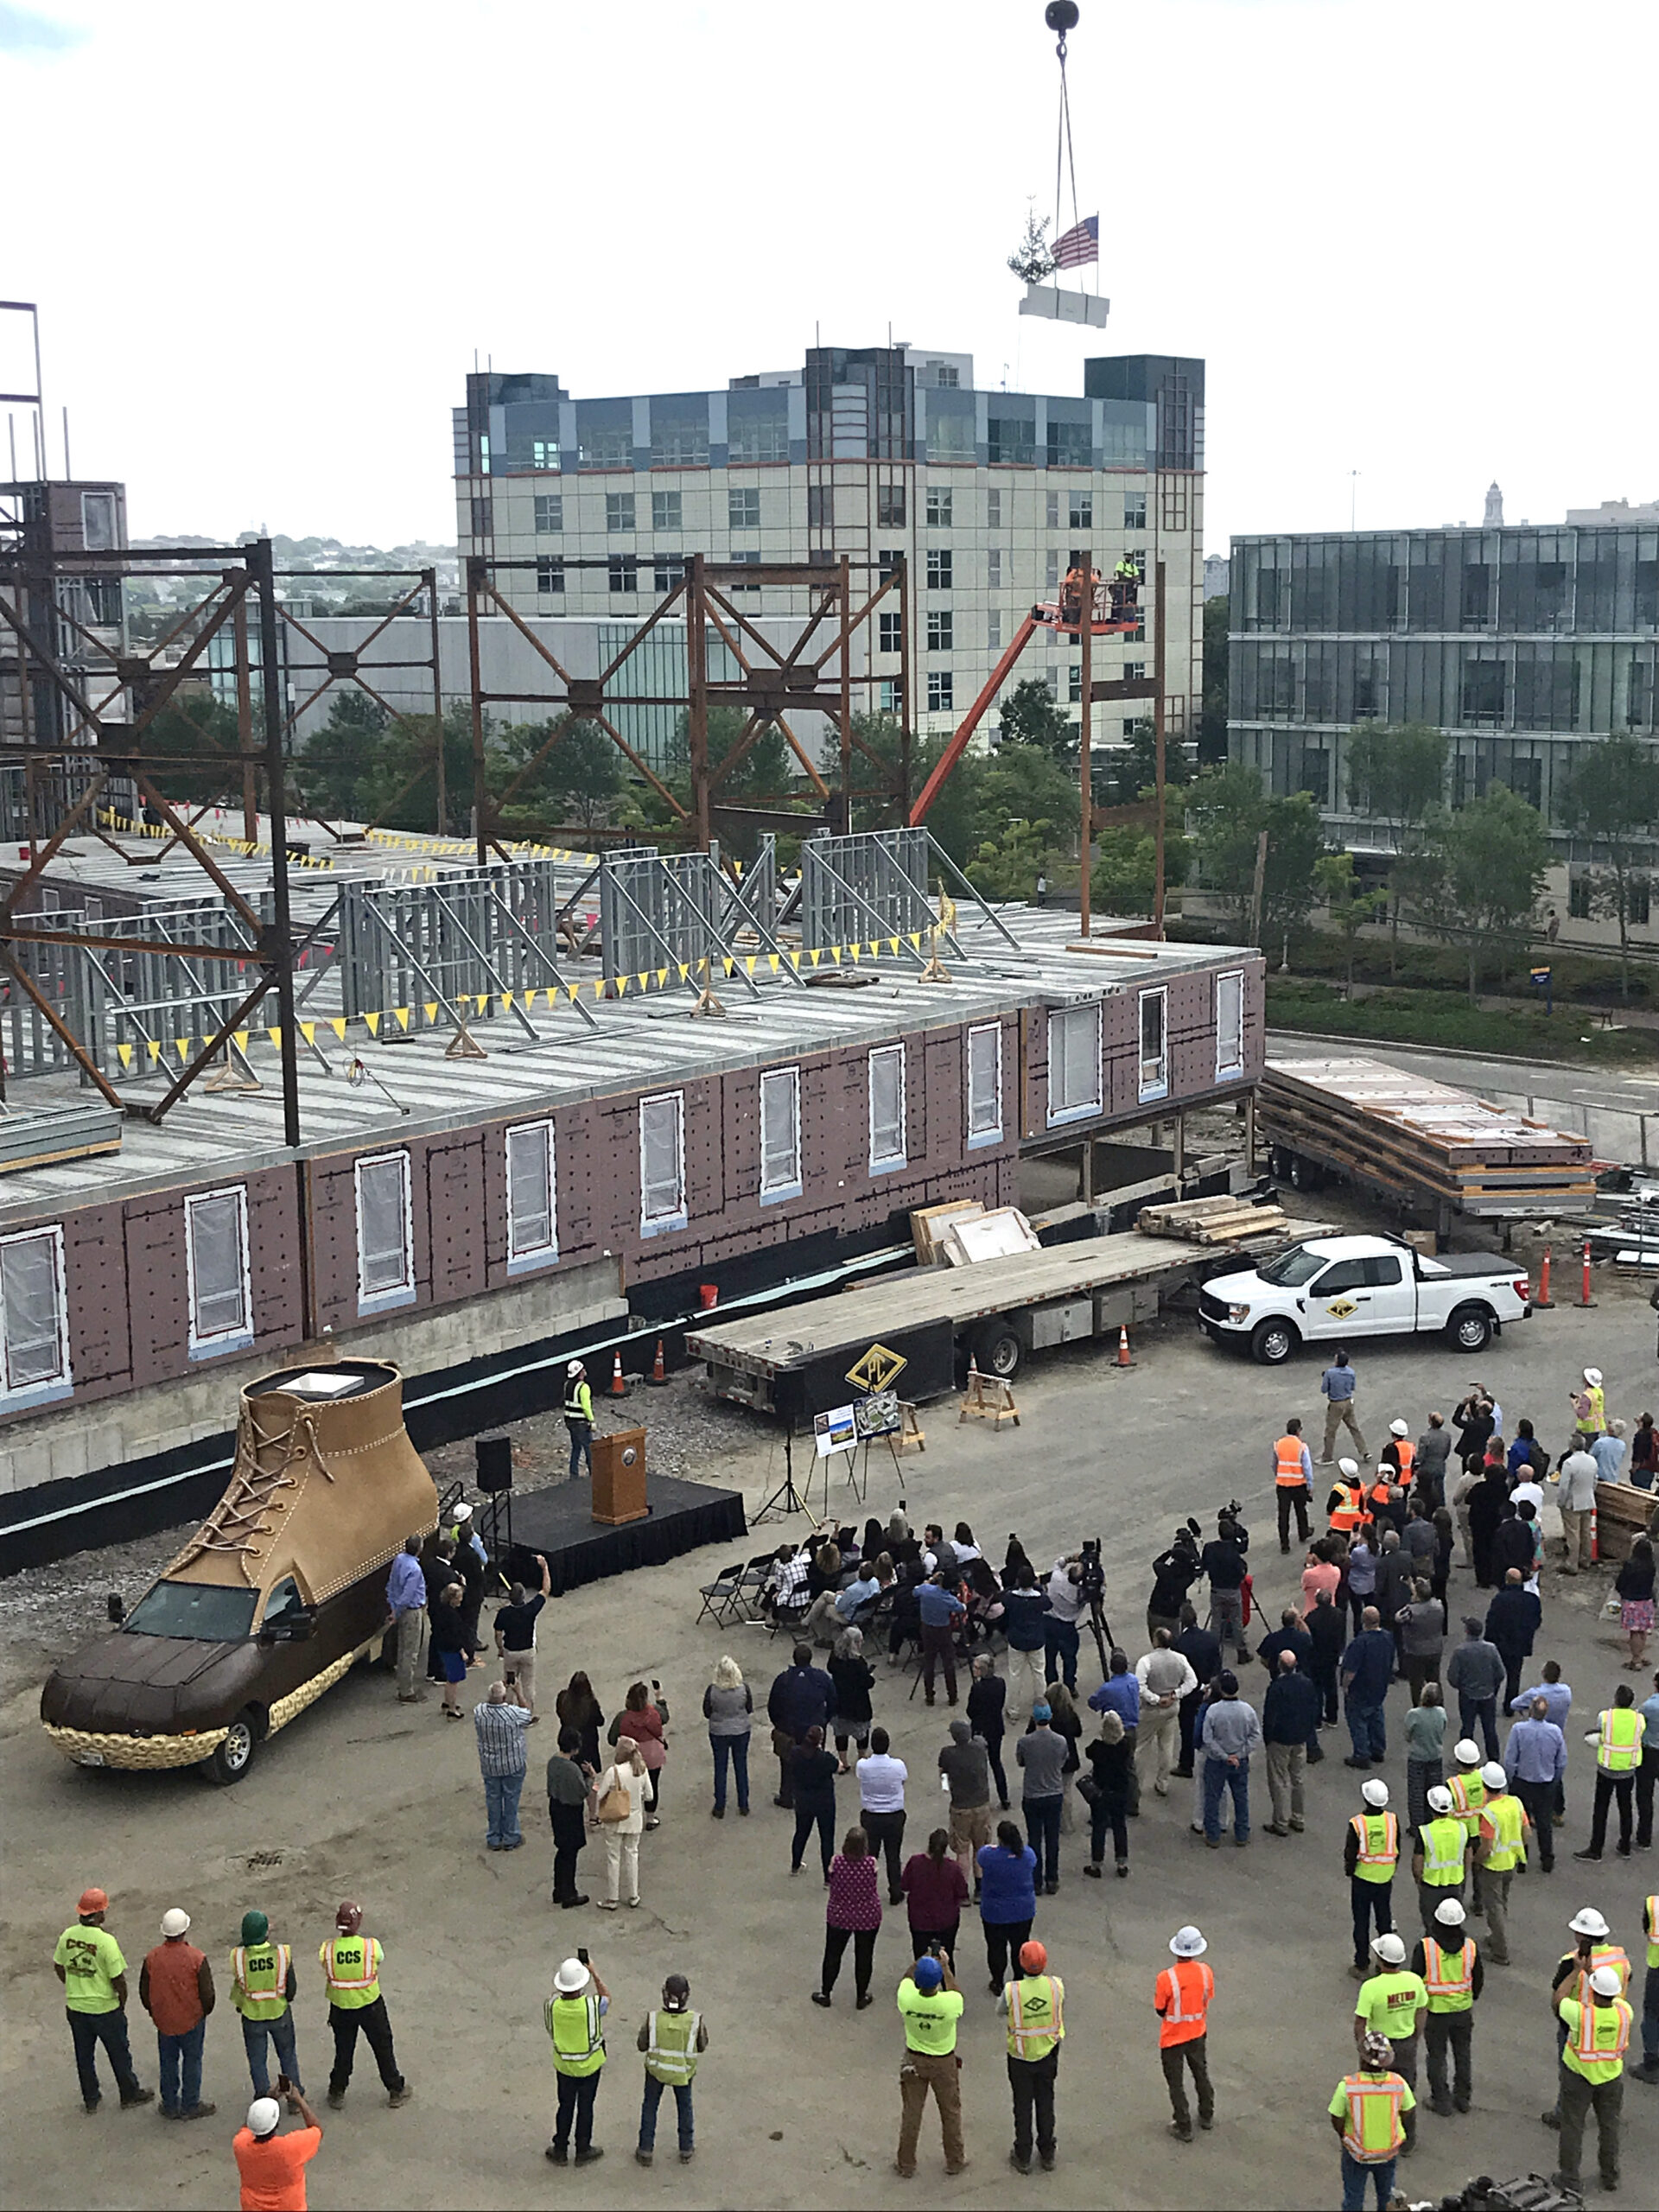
(770, 681)
(31, 574)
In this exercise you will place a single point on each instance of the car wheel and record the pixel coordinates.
(235, 1754)
(998, 1350)
(1470, 1329)
(1272, 1341)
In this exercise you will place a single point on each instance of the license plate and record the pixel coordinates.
(89, 1758)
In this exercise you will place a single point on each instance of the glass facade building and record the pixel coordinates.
(1521, 644)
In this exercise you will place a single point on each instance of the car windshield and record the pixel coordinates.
(201, 1609)
(1293, 1268)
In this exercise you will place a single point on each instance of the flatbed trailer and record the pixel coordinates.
(911, 1331)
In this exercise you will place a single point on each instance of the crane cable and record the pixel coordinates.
(1065, 156)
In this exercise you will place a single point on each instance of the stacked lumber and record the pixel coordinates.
(1417, 1137)
(1224, 1221)
(929, 1224)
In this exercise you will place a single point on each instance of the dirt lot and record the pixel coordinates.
(364, 1797)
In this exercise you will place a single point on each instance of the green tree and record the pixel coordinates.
(1611, 799)
(1123, 880)
(194, 720)
(1030, 716)
(1212, 713)
(1133, 773)
(1396, 771)
(1007, 867)
(1350, 907)
(1230, 810)
(337, 759)
(580, 781)
(1481, 870)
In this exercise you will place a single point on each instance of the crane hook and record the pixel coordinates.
(1061, 15)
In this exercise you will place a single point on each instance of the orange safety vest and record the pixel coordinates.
(1288, 1463)
(1406, 1454)
(1363, 2089)
(1182, 1993)
(1348, 1516)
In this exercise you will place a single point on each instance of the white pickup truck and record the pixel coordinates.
(1340, 1288)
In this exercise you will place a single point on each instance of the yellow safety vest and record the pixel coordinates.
(1603, 1954)
(574, 2022)
(1379, 1845)
(672, 2045)
(1449, 1976)
(1350, 1509)
(1374, 2130)
(1468, 1799)
(1651, 1911)
(1288, 1463)
(1593, 1422)
(351, 1964)
(1443, 1841)
(1509, 1819)
(1619, 1747)
(1598, 2037)
(259, 1980)
(1036, 2023)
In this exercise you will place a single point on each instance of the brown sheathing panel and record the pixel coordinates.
(456, 1214)
(274, 1256)
(334, 1245)
(156, 1288)
(95, 1284)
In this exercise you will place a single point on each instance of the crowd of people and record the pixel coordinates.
(1368, 1644)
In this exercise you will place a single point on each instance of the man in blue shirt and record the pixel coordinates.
(406, 1613)
(1367, 1670)
(940, 1609)
(1120, 1694)
(1534, 1758)
(1337, 1383)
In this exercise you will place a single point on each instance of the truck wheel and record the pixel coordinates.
(1301, 1174)
(998, 1350)
(235, 1754)
(1470, 1329)
(1272, 1341)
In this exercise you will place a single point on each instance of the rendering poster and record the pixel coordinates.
(878, 1414)
(835, 1431)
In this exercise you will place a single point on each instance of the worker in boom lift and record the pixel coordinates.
(1072, 597)
(1126, 587)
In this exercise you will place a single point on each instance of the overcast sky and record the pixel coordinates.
(1415, 240)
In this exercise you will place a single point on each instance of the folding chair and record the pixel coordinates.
(719, 1595)
(750, 1583)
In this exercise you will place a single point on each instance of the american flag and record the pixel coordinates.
(1079, 244)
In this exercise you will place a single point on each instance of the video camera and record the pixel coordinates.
(1091, 1592)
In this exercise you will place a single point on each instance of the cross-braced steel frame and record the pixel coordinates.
(772, 682)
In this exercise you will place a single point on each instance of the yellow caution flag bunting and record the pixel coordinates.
(338, 1025)
(430, 1009)
(373, 1023)
(308, 1030)
(125, 1055)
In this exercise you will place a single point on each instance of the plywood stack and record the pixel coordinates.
(1213, 1221)
(1421, 1138)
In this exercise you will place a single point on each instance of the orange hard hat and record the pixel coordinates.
(93, 1901)
(1034, 1957)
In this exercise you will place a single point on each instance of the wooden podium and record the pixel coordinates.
(618, 1483)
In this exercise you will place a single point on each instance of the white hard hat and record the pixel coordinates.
(1398, 1428)
(463, 1512)
(1467, 1751)
(1589, 1922)
(570, 1977)
(265, 2117)
(1440, 1798)
(1592, 1376)
(574, 1367)
(1375, 1793)
(1389, 1949)
(1450, 1914)
(1604, 1982)
(175, 1922)
(1188, 1943)
(1350, 1467)
(1494, 1776)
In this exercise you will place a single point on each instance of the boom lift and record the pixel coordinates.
(1114, 612)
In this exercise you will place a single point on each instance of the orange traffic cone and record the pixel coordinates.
(1123, 1359)
(618, 1388)
(1544, 1297)
(658, 1374)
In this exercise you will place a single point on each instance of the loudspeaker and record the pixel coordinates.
(494, 1463)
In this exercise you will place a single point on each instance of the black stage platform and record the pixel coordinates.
(559, 1522)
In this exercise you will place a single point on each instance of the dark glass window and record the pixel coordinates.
(890, 505)
(1068, 445)
(201, 1609)
(1315, 775)
(1577, 897)
(1475, 609)
(1012, 438)
(1483, 692)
